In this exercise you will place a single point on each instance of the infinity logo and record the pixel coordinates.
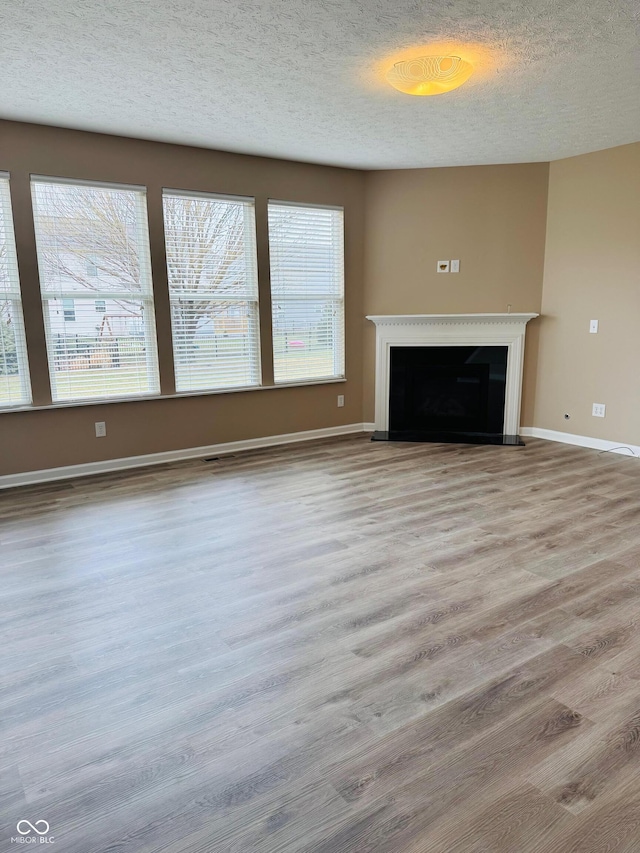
(32, 826)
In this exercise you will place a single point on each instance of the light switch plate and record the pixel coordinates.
(455, 266)
(598, 410)
(593, 327)
(443, 266)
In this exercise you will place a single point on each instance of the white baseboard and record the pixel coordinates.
(581, 440)
(30, 478)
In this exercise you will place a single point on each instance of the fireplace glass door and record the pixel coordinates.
(448, 389)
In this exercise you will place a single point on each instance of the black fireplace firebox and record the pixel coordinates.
(448, 394)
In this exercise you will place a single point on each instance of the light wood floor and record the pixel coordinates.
(335, 647)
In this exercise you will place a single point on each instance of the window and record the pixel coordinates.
(69, 309)
(14, 373)
(213, 288)
(93, 247)
(306, 246)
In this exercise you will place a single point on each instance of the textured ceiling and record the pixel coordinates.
(304, 79)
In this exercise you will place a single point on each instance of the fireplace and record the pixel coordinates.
(451, 378)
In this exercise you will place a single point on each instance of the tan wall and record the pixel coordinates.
(592, 271)
(57, 436)
(398, 224)
(492, 218)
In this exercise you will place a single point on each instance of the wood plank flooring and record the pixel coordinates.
(331, 647)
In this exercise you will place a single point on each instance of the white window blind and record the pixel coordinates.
(93, 248)
(14, 372)
(306, 246)
(213, 288)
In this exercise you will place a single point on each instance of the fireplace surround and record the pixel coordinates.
(449, 377)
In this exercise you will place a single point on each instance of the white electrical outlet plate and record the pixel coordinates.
(598, 410)
(455, 266)
(101, 429)
(443, 266)
(593, 327)
(340, 400)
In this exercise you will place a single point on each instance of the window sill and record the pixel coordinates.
(143, 398)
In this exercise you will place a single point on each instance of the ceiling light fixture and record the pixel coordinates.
(429, 75)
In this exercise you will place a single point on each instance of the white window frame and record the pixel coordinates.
(253, 304)
(145, 295)
(339, 326)
(13, 295)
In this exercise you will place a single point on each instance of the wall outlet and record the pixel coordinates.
(340, 400)
(593, 327)
(598, 410)
(443, 266)
(455, 266)
(101, 429)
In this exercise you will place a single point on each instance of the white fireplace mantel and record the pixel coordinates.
(424, 330)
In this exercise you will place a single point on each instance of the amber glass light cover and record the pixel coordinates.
(429, 75)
